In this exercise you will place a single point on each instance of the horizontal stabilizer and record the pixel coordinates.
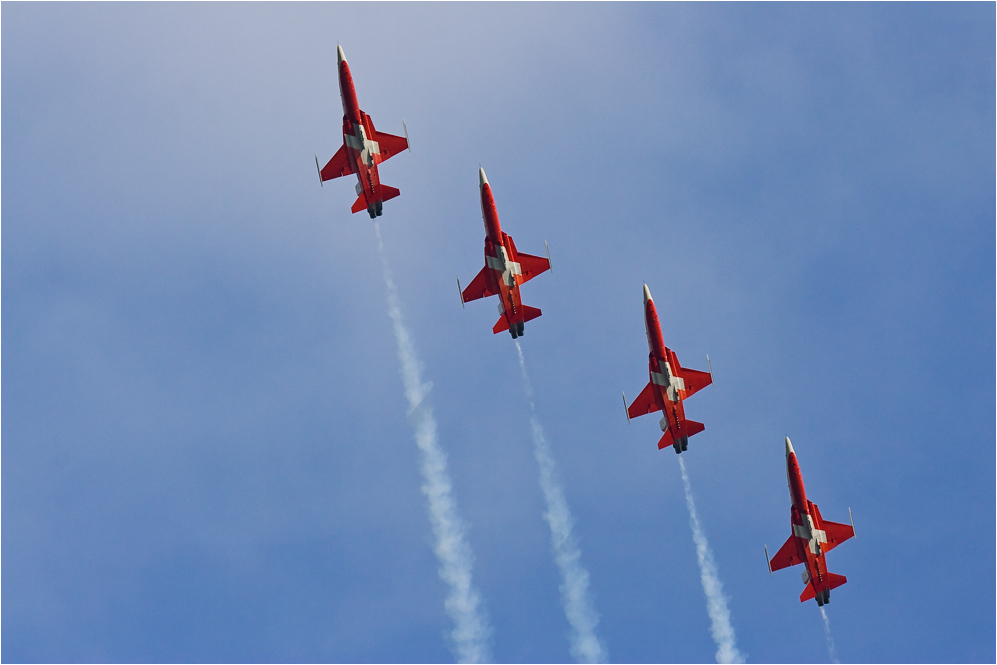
(384, 193)
(530, 313)
(359, 204)
(666, 440)
(387, 193)
(833, 581)
(691, 427)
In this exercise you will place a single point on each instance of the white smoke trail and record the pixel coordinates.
(830, 640)
(578, 606)
(716, 602)
(471, 633)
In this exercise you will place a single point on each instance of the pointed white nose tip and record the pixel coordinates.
(482, 178)
(789, 447)
(647, 294)
(339, 54)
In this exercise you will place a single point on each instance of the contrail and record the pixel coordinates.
(830, 640)
(716, 602)
(470, 637)
(578, 606)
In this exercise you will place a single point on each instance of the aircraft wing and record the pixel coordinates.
(695, 380)
(338, 166)
(835, 532)
(644, 403)
(479, 287)
(389, 144)
(786, 556)
(531, 266)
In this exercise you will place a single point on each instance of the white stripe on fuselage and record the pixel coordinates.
(810, 533)
(501, 263)
(668, 380)
(367, 148)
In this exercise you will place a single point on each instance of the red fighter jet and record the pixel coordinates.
(670, 384)
(812, 538)
(363, 149)
(505, 269)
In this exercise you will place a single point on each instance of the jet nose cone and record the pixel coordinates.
(789, 447)
(339, 53)
(482, 178)
(647, 295)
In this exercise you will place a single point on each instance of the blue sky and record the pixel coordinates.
(204, 443)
